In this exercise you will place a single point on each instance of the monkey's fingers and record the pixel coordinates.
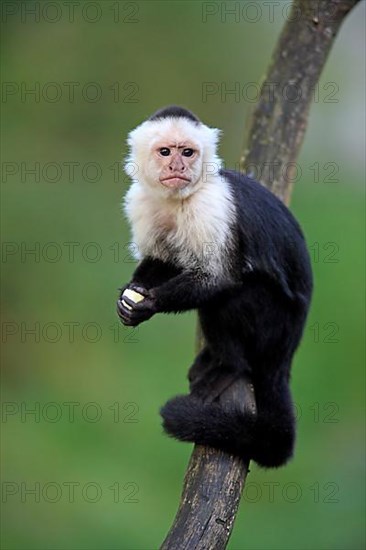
(127, 303)
(130, 317)
(146, 305)
(124, 314)
(139, 289)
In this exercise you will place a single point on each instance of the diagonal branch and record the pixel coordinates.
(214, 480)
(278, 123)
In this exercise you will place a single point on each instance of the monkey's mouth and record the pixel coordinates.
(175, 182)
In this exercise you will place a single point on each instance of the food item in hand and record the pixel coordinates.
(132, 295)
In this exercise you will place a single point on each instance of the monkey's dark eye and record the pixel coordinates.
(187, 152)
(164, 151)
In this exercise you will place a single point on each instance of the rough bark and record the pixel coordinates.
(278, 123)
(214, 480)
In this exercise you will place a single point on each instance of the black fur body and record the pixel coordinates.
(252, 323)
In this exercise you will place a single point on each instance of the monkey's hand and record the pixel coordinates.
(132, 312)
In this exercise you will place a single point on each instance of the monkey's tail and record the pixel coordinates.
(262, 438)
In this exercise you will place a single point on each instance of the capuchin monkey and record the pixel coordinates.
(217, 241)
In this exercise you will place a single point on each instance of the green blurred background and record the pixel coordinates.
(104, 476)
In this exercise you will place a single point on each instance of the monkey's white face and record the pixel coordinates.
(169, 154)
(176, 163)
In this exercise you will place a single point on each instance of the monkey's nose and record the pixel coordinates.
(177, 167)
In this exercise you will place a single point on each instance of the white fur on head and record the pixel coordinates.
(141, 164)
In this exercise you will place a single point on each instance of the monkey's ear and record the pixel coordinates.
(138, 141)
(210, 138)
(139, 136)
(216, 135)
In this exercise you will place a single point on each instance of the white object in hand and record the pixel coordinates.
(132, 295)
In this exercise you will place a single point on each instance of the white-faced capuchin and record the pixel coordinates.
(217, 241)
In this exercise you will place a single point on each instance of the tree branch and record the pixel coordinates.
(279, 121)
(214, 480)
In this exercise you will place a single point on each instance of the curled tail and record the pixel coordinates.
(188, 418)
(267, 438)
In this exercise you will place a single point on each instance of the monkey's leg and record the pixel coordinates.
(274, 436)
(201, 367)
(209, 377)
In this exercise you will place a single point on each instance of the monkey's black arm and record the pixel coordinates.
(189, 290)
(152, 272)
